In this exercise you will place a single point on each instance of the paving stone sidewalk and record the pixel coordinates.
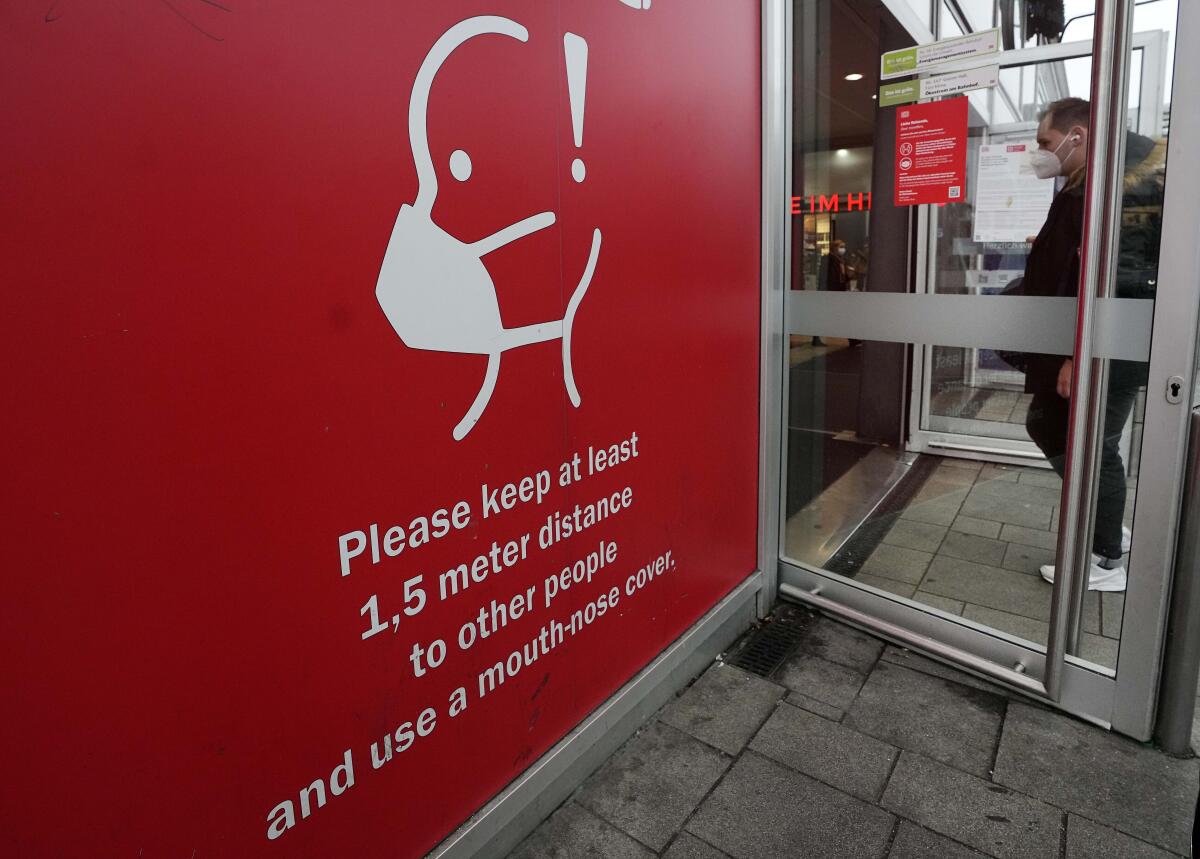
(971, 542)
(856, 748)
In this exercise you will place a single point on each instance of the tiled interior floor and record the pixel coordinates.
(854, 748)
(985, 404)
(970, 543)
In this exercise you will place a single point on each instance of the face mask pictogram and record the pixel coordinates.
(434, 288)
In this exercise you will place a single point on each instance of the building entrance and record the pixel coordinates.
(981, 451)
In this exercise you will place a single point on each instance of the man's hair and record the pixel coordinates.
(1066, 113)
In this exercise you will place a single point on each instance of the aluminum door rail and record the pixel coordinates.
(1102, 202)
(776, 262)
(1177, 702)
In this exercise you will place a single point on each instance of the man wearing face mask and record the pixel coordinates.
(837, 271)
(1052, 269)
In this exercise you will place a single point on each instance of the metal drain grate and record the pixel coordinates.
(767, 647)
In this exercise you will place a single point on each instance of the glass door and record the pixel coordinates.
(962, 431)
(971, 403)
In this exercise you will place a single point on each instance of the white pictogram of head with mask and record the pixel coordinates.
(434, 288)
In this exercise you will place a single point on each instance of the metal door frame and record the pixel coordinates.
(1125, 701)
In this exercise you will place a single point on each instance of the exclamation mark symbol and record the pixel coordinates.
(577, 57)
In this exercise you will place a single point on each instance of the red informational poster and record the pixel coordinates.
(380, 395)
(931, 152)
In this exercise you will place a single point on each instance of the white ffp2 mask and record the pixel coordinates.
(1047, 165)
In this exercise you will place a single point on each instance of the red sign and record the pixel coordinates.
(931, 152)
(330, 505)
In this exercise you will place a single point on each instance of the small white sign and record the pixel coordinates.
(919, 58)
(954, 83)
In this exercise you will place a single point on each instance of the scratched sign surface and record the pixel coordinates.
(372, 413)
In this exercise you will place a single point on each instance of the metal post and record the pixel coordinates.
(1177, 697)
(776, 186)
(1102, 199)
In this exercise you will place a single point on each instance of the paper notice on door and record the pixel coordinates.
(931, 153)
(1010, 201)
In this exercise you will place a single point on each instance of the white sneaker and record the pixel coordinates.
(1126, 540)
(1099, 578)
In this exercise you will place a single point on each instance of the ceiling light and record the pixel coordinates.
(842, 153)
(854, 76)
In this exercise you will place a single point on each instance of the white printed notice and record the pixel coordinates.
(1010, 201)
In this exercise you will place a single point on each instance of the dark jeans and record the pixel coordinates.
(1049, 415)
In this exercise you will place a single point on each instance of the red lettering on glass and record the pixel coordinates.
(820, 203)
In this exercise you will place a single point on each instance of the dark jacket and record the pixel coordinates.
(1141, 216)
(1141, 234)
(1052, 268)
(837, 275)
